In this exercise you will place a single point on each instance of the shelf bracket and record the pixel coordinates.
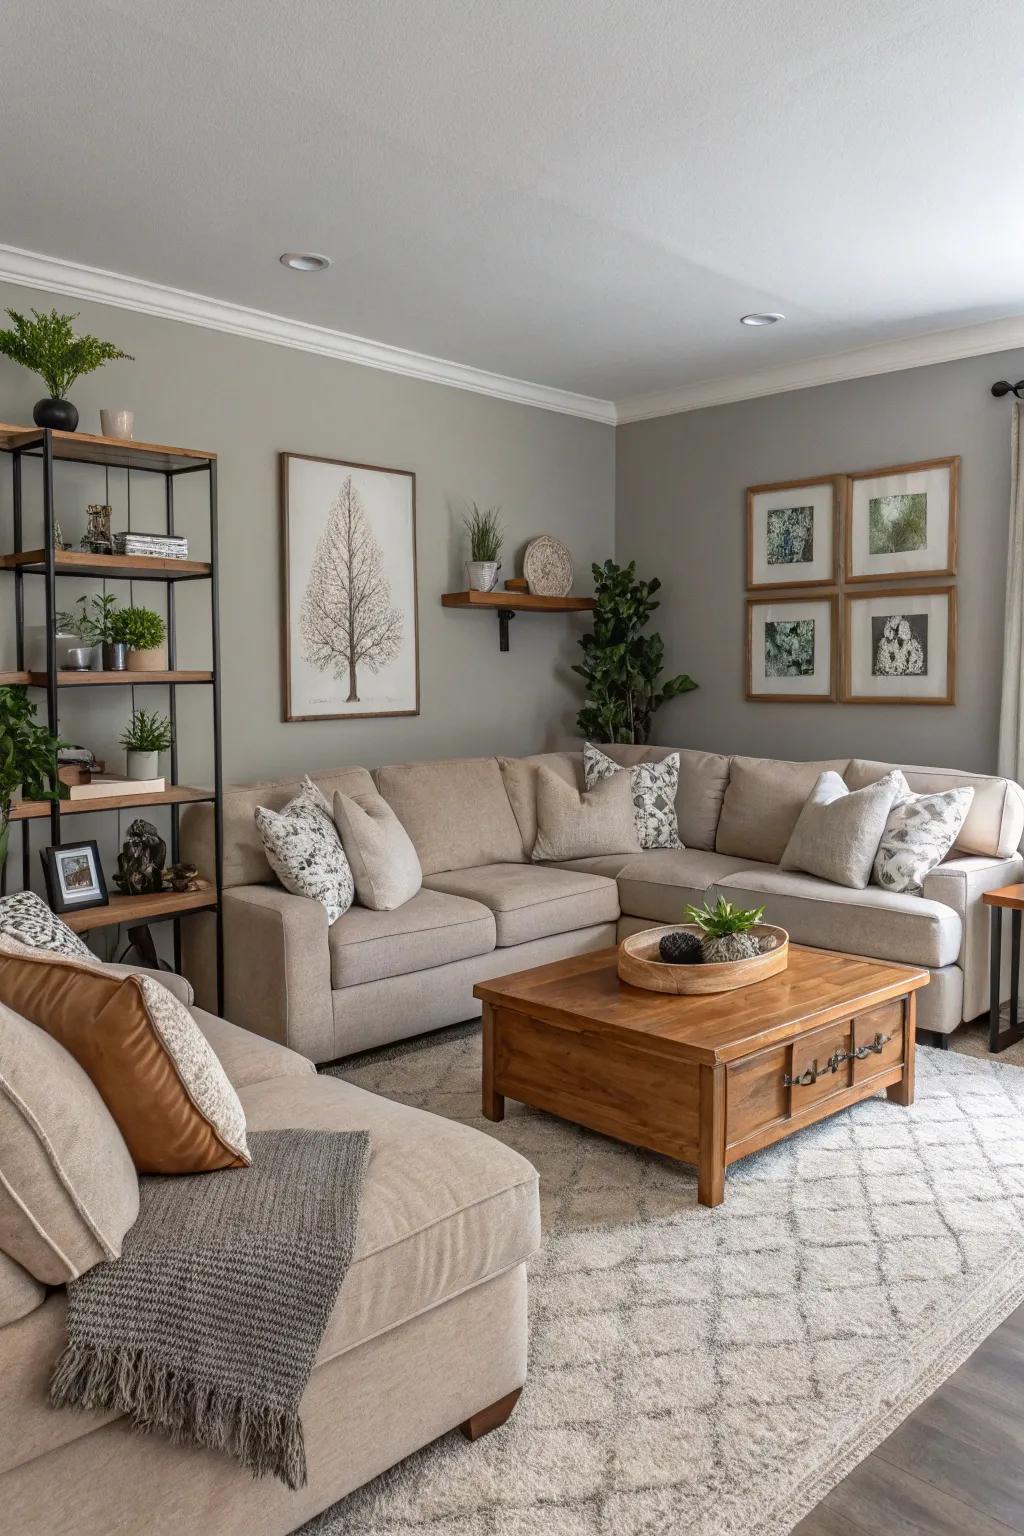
(505, 615)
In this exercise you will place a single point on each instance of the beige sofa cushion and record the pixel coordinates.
(431, 929)
(575, 824)
(661, 883)
(20, 1292)
(456, 812)
(531, 903)
(519, 775)
(68, 1187)
(379, 849)
(703, 777)
(838, 831)
(444, 1206)
(762, 802)
(995, 822)
(245, 862)
(249, 1058)
(886, 925)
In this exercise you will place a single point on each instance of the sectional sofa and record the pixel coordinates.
(486, 910)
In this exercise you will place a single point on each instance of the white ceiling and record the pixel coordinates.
(583, 193)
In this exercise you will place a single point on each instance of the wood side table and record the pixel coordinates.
(1008, 898)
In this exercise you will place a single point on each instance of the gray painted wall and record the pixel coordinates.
(680, 512)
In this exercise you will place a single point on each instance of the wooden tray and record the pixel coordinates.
(639, 965)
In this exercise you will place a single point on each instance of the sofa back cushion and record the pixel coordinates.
(762, 802)
(245, 861)
(994, 824)
(68, 1187)
(456, 812)
(20, 1292)
(703, 777)
(520, 778)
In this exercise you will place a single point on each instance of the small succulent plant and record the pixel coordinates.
(725, 931)
(680, 949)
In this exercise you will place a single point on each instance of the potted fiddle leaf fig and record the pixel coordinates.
(143, 633)
(144, 738)
(47, 346)
(28, 762)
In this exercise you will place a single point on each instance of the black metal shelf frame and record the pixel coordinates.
(44, 451)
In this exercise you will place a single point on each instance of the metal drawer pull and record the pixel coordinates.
(834, 1062)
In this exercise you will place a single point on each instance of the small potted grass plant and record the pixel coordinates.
(143, 633)
(486, 538)
(144, 738)
(725, 931)
(47, 346)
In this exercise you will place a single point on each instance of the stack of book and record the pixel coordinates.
(103, 784)
(168, 546)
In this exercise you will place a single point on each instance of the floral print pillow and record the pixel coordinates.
(304, 850)
(653, 787)
(919, 832)
(25, 917)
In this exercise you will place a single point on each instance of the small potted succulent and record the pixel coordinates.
(28, 762)
(725, 931)
(48, 346)
(486, 539)
(144, 738)
(93, 624)
(143, 633)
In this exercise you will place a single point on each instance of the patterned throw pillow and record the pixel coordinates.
(653, 787)
(304, 850)
(919, 832)
(26, 918)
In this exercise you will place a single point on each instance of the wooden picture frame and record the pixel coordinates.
(824, 520)
(855, 610)
(937, 553)
(322, 501)
(62, 866)
(803, 690)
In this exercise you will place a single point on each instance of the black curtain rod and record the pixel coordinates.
(1005, 388)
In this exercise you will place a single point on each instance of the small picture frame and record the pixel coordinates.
(792, 649)
(793, 533)
(902, 521)
(900, 646)
(74, 877)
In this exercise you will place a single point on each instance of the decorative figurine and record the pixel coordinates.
(140, 864)
(181, 877)
(97, 538)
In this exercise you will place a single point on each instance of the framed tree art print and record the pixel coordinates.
(792, 533)
(351, 630)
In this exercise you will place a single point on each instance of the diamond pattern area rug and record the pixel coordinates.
(716, 1372)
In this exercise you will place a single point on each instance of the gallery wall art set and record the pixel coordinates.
(825, 627)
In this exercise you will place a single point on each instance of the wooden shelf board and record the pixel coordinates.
(522, 602)
(124, 679)
(13, 679)
(139, 909)
(88, 448)
(78, 562)
(178, 794)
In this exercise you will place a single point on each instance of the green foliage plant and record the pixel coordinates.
(28, 759)
(48, 347)
(621, 665)
(94, 628)
(486, 536)
(140, 629)
(147, 731)
(723, 918)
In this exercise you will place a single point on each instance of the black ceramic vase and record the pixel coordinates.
(61, 415)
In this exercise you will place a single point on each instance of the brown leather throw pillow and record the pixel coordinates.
(151, 1063)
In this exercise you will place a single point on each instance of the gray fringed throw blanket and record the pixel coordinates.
(207, 1327)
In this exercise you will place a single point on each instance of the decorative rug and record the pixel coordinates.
(717, 1372)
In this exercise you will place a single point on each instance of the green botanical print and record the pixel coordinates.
(789, 648)
(897, 523)
(790, 535)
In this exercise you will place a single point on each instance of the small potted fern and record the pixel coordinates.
(47, 346)
(486, 539)
(144, 738)
(144, 634)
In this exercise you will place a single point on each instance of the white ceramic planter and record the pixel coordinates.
(143, 765)
(482, 575)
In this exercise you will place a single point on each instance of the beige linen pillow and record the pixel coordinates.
(384, 861)
(574, 825)
(68, 1187)
(837, 833)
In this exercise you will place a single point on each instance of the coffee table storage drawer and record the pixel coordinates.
(814, 1072)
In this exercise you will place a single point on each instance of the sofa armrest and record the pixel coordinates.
(960, 883)
(179, 985)
(277, 968)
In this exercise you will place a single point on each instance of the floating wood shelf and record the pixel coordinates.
(78, 562)
(140, 909)
(508, 604)
(176, 794)
(125, 679)
(115, 452)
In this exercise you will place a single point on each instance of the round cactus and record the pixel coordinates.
(680, 949)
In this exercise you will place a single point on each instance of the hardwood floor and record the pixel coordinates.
(954, 1468)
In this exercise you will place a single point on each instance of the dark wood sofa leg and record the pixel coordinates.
(490, 1418)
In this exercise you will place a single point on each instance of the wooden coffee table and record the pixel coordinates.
(706, 1080)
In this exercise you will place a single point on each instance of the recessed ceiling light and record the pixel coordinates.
(765, 317)
(305, 261)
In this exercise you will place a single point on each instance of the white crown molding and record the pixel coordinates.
(886, 357)
(30, 270)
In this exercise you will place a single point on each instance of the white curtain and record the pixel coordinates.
(1011, 716)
